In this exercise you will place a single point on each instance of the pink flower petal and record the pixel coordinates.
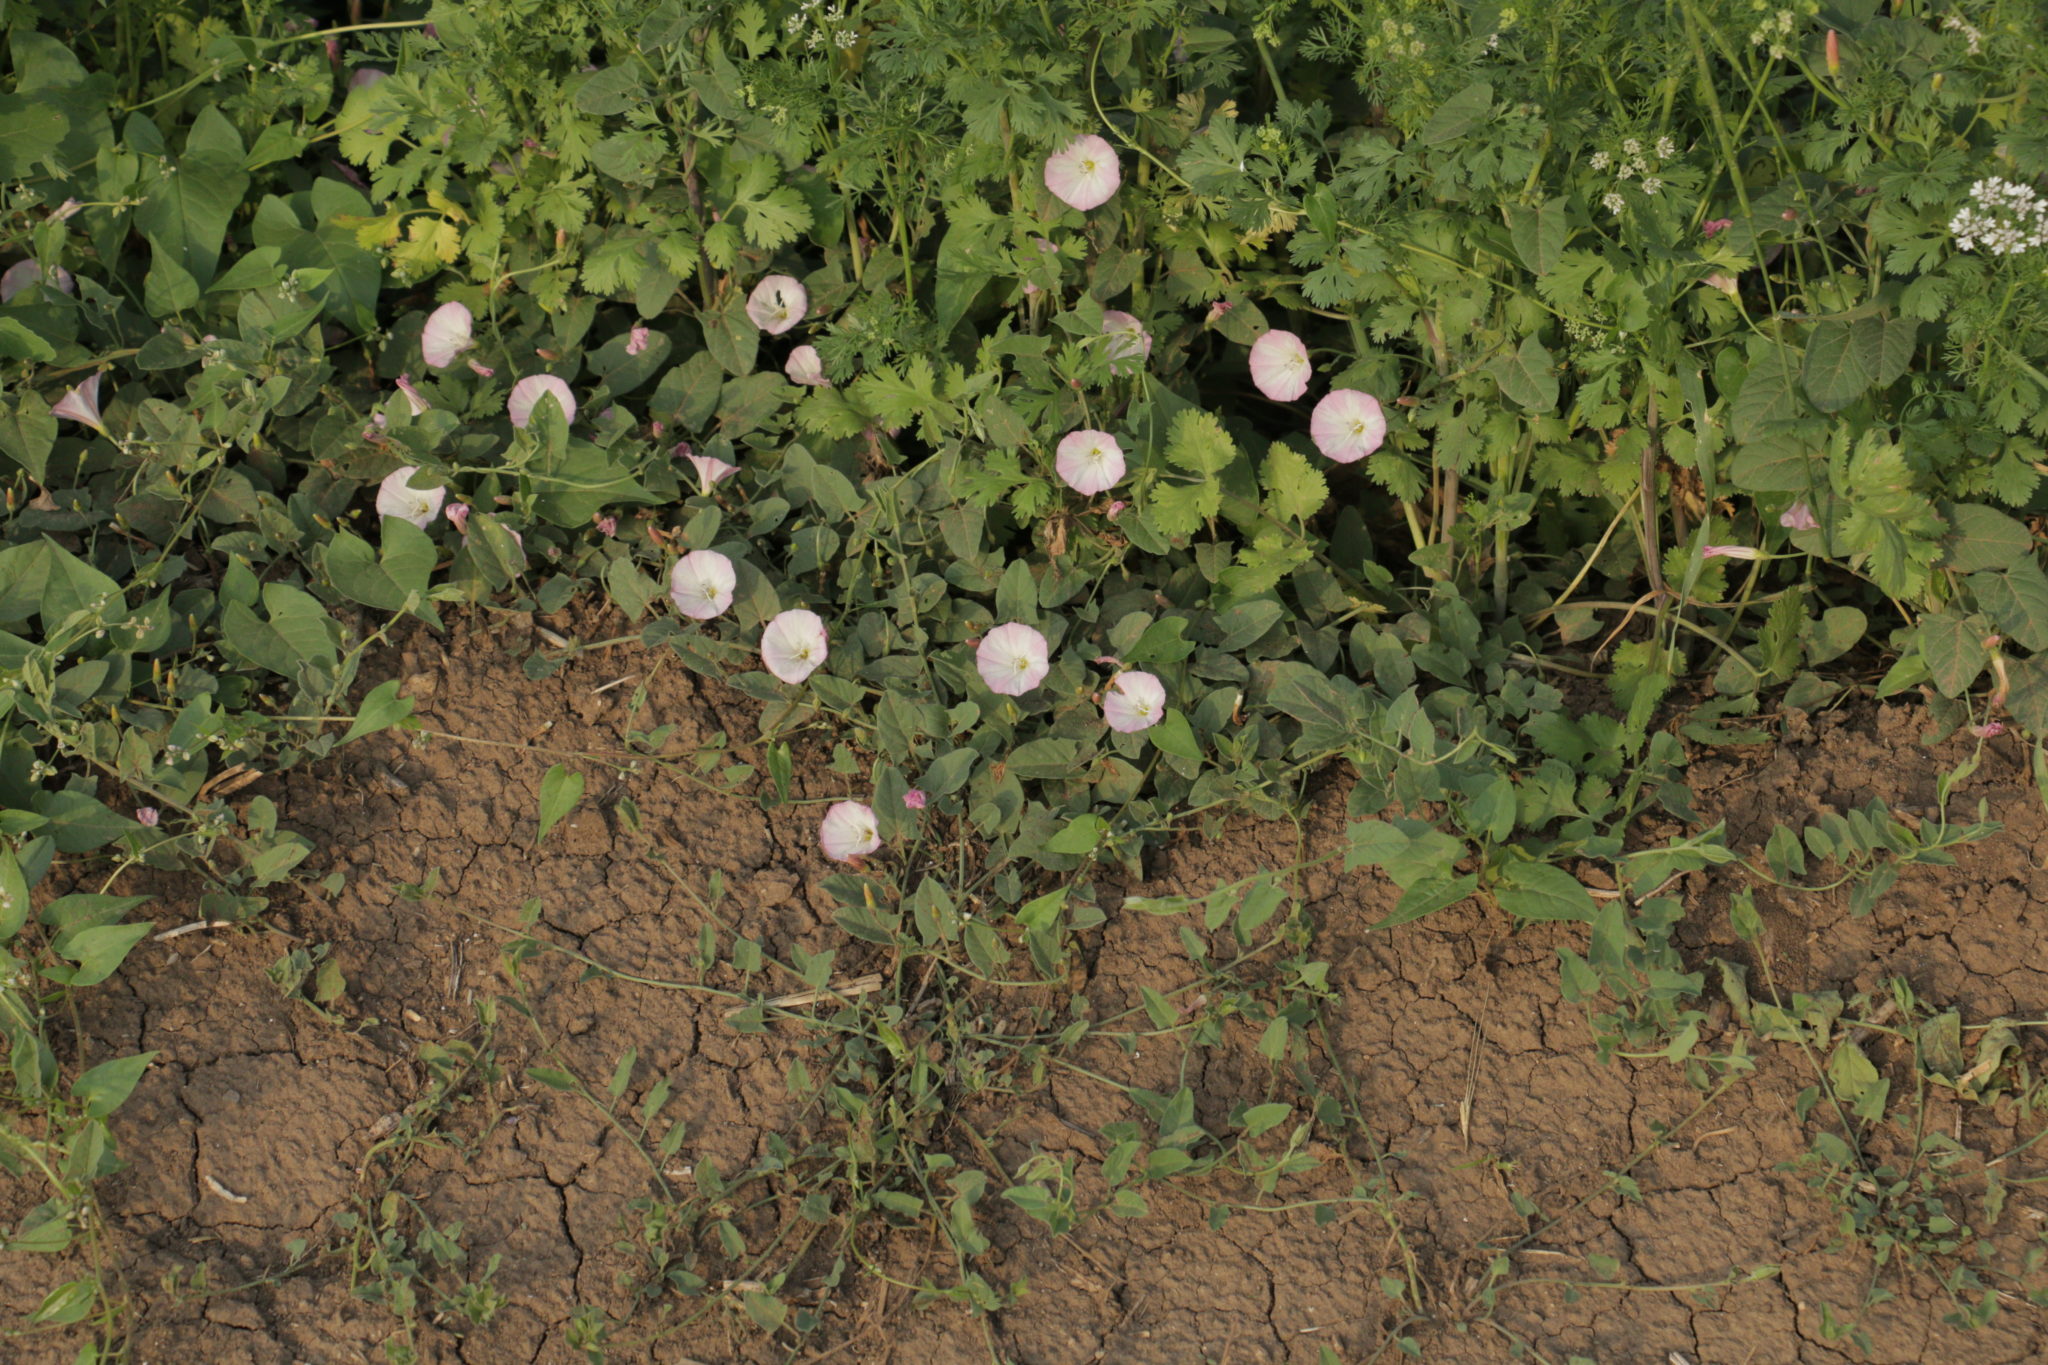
(446, 335)
(528, 392)
(1347, 425)
(914, 799)
(412, 395)
(1090, 462)
(794, 645)
(396, 497)
(1084, 174)
(777, 304)
(1133, 701)
(701, 584)
(710, 470)
(1129, 343)
(1730, 552)
(806, 367)
(848, 832)
(1012, 659)
(22, 274)
(1280, 366)
(82, 404)
(1798, 517)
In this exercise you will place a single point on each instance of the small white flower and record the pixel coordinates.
(795, 645)
(701, 584)
(1600, 161)
(848, 832)
(1630, 146)
(1613, 202)
(1652, 184)
(1666, 149)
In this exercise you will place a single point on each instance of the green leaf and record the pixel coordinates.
(1199, 444)
(1458, 115)
(13, 894)
(1528, 377)
(1770, 393)
(1954, 649)
(27, 432)
(1261, 1118)
(100, 950)
(1538, 232)
(2016, 601)
(1295, 489)
(554, 1078)
(380, 710)
(1837, 372)
(1543, 891)
(80, 823)
(1983, 538)
(1079, 836)
(560, 790)
(1425, 898)
(103, 1089)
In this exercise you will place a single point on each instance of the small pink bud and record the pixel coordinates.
(1714, 225)
(1114, 509)
(1990, 729)
(608, 525)
(458, 514)
(1730, 552)
(147, 816)
(914, 799)
(1834, 53)
(636, 340)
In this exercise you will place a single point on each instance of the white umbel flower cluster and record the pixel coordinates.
(2003, 217)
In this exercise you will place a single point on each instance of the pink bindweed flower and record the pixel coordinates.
(1714, 225)
(1128, 342)
(777, 304)
(458, 516)
(412, 395)
(1347, 425)
(848, 832)
(1090, 462)
(607, 526)
(480, 368)
(1990, 729)
(1133, 701)
(804, 366)
(794, 645)
(914, 799)
(148, 816)
(528, 392)
(1012, 659)
(1115, 508)
(82, 404)
(1798, 517)
(710, 469)
(1217, 310)
(22, 274)
(636, 340)
(1730, 552)
(448, 333)
(701, 584)
(396, 497)
(1084, 174)
(1280, 366)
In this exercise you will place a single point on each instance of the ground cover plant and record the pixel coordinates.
(1073, 426)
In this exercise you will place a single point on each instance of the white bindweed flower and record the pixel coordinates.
(804, 366)
(1129, 342)
(777, 304)
(710, 469)
(848, 832)
(1083, 174)
(1133, 701)
(447, 334)
(1280, 366)
(794, 645)
(1730, 552)
(1090, 462)
(1347, 425)
(1012, 659)
(528, 392)
(22, 274)
(412, 395)
(396, 497)
(701, 584)
(82, 404)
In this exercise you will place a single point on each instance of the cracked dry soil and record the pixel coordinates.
(253, 1127)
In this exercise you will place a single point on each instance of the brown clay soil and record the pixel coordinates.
(262, 1120)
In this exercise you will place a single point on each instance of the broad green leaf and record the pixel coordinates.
(1543, 891)
(1837, 372)
(103, 1089)
(1079, 836)
(2016, 601)
(13, 894)
(1425, 898)
(1529, 376)
(1770, 392)
(560, 790)
(1954, 649)
(1538, 232)
(1981, 537)
(100, 950)
(1458, 115)
(1261, 1118)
